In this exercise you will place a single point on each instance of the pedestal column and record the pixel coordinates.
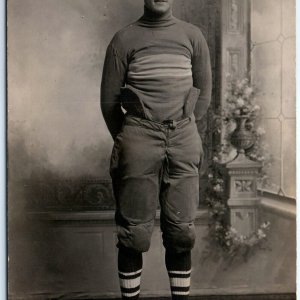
(243, 200)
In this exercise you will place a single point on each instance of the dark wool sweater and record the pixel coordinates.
(160, 60)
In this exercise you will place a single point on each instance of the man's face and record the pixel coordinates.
(159, 6)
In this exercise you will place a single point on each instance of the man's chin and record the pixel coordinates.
(161, 10)
(160, 13)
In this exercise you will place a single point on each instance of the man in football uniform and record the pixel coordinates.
(156, 86)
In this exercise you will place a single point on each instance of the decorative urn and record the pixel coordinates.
(242, 138)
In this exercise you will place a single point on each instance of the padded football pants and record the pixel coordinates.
(153, 162)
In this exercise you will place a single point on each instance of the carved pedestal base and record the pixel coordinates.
(243, 201)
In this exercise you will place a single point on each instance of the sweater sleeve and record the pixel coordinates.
(202, 77)
(113, 78)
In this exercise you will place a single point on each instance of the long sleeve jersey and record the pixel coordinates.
(160, 60)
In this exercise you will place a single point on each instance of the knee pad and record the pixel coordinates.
(135, 237)
(178, 237)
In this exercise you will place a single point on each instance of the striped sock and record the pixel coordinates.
(130, 265)
(180, 284)
(130, 284)
(179, 271)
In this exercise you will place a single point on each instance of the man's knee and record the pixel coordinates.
(135, 237)
(179, 237)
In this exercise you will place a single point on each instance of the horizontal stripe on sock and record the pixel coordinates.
(180, 272)
(130, 295)
(171, 275)
(130, 290)
(131, 275)
(180, 288)
(180, 293)
(182, 282)
(130, 283)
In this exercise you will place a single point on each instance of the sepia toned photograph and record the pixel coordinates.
(151, 149)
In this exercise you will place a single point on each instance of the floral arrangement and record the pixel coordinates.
(240, 101)
(240, 98)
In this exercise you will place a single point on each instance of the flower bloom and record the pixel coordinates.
(215, 159)
(260, 131)
(261, 234)
(261, 158)
(233, 230)
(248, 91)
(265, 225)
(240, 102)
(256, 107)
(218, 188)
